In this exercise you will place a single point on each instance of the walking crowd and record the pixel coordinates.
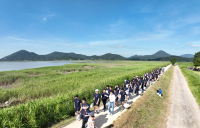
(113, 96)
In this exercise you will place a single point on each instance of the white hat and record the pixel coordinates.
(125, 80)
(96, 90)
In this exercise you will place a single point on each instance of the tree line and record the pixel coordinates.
(196, 61)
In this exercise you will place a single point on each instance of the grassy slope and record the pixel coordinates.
(150, 110)
(193, 79)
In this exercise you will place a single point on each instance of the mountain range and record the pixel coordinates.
(162, 56)
(24, 55)
(187, 55)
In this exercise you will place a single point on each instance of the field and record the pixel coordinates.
(193, 79)
(44, 96)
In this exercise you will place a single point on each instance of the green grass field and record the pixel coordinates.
(193, 79)
(46, 94)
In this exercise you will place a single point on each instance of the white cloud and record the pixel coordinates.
(161, 34)
(195, 45)
(118, 46)
(176, 43)
(117, 24)
(67, 44)
(49, 16)
(116, 29)
(44, 18)
(17, 38)
(187, 44)
(184, 21)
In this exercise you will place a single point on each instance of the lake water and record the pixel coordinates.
(9, 66)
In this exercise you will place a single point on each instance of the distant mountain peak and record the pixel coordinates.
(161, 53)
(23, 51)
(188, 55)
(107, 53)
(56, 52)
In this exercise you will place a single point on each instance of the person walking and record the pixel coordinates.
(134, 87)
(85, 117)
(84, 103)
(127, 81)
(150, 80)
(142, 84)
(116, 96)
(137, 88)
(111, 89)
(134, 79)
(123, 97)
(96, 101)
(104, 97)
(111, 103)
(117, 88)
(108, 90)
(130, 91)
(77, 105)
(84, 111)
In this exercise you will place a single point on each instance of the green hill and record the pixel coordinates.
(24, 55)
(161, 54)
(21, 56)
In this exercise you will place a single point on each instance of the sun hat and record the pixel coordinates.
(96, 90)
(91, 114)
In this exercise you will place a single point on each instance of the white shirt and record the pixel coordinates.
(112, 98)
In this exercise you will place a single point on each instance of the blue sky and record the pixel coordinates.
(96, 27)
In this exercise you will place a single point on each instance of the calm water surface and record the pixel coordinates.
(9, 66)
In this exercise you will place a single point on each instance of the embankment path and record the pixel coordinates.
(103, 119)
(184, 111)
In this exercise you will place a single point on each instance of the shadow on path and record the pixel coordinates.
(100, 120)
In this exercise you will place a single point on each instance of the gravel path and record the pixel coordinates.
(185, 111)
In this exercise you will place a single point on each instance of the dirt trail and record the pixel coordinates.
(185, 111)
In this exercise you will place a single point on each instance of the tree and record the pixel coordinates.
(173, 60)
(196, 60)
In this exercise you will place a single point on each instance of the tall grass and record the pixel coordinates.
(51, 94)
(193, 79)
(50, 81)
